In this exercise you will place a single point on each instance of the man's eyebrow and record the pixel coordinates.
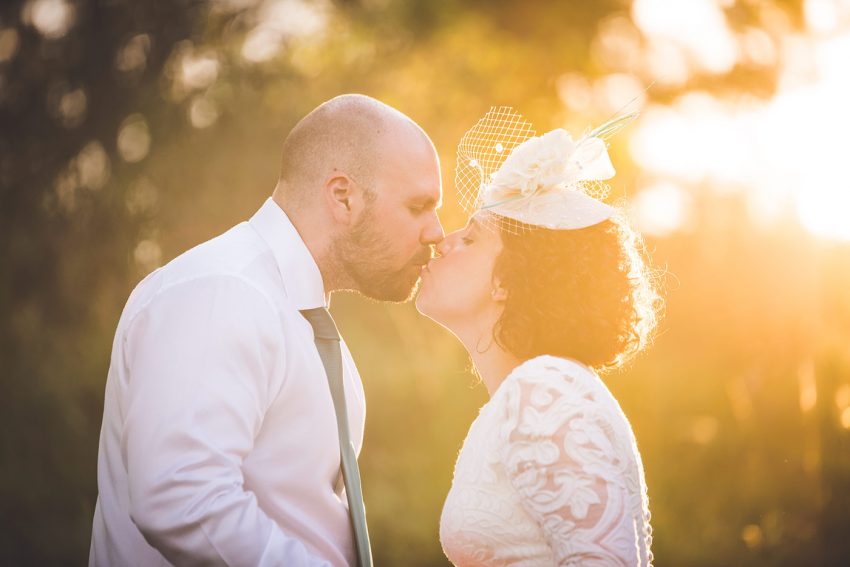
(427, 201)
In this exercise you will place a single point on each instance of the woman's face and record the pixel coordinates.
(458, 288)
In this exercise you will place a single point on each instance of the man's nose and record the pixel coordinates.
(433, 232)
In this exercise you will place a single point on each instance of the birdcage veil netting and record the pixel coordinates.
(482, 151)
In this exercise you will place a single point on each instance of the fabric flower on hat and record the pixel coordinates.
(546, 163)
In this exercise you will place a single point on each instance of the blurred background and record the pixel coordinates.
(131, 131)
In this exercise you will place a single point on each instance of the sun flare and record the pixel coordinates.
(787, 152)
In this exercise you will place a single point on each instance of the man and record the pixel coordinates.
(219, 442)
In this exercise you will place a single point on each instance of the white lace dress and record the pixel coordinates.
(549, 474)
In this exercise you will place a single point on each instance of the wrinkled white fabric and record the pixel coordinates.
(549, 474)
(219, 442)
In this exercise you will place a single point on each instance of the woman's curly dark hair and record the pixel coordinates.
(584, 294)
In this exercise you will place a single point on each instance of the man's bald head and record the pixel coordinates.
(345, 134)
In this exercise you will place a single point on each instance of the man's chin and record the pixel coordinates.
(393, 291)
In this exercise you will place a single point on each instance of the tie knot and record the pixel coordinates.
(322, 322)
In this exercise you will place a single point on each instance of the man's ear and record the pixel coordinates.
(343, 197)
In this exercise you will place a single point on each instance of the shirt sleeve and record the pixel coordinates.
(204, 359)
(562, 457)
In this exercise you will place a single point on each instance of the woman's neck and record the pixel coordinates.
(492, 362)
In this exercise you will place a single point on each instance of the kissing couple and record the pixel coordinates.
(234, 411)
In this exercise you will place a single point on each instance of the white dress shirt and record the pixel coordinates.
(219, 441)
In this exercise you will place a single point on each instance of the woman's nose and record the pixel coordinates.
(444, 246)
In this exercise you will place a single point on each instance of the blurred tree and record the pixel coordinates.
(69, 75)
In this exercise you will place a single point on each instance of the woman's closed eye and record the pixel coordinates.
(469, 234)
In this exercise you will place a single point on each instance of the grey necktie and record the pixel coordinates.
(327, 343)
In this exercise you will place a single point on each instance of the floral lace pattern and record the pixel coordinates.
(549, 474)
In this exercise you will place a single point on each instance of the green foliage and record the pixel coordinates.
(740, 470)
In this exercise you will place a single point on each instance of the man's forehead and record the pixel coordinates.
(423, 183)
(412, 164)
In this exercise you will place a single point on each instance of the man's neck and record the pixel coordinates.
(318, 242)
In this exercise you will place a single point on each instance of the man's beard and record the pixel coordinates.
(363, 254)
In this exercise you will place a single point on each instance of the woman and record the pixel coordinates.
(545, 286)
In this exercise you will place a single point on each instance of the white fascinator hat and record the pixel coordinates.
(550, 181)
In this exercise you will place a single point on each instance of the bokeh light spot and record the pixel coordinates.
(666, 63)
(821, 15)
(89, 169)
(758, 48)
(147, 254)
(619, 90)
(67, 106)
(133, 56)
(752, 536)
(93, 165)
(282, 20)
(808, 390)
(661, 209)
(72, 107)
(575, 91)
(134, 139)
(617, 44)
(9, 41)
(698, 27)
(52, 18)
(261, 45)
(202, 112)
(198, 71)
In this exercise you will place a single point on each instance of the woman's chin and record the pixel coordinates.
(425, 302)
(421, 302)
(428, 303)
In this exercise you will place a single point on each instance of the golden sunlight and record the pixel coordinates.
(787, 152)
(697, 26)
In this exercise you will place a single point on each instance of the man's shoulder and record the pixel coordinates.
(230, 253)
(238, 254)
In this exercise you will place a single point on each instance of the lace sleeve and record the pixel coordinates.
(568, 457)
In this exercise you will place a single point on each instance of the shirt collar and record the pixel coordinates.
(302, 279)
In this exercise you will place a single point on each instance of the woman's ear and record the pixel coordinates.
(498, 293)
(344, 197)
